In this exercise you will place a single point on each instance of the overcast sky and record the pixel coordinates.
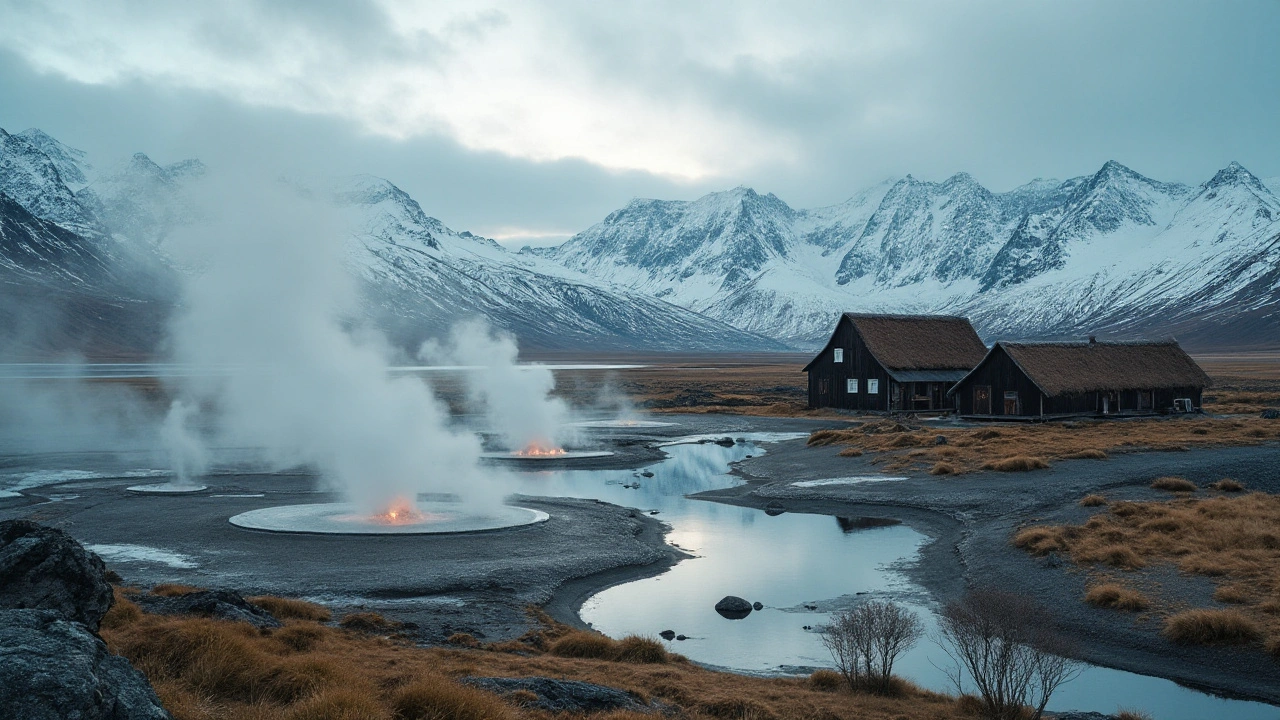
(530, 121)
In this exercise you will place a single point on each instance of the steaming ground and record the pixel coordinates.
(479, 583)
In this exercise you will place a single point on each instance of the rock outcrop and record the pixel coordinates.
(564, 696)
(45, 568)
(218, 604)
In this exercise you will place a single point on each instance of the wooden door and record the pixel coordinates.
(824, 391)
(1011, 404)
(981, 399)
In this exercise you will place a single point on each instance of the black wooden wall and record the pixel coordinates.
(858, 363)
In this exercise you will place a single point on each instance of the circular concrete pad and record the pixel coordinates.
(623, 424)
(167, 488)
(567, 455)
(348, 519)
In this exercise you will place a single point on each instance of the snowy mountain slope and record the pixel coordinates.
(105, 243)
(1114, 251)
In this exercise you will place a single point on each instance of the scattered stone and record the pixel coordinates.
(774, 509)
(682, 637)
(45, 568)
(1271, 414)
(647, 474)
(653, 512)
(725, 442)
(219, 604)
(940, 440)
(54, 668)
(757, 605)
(733, 607)
(565, 696)
(667, 634)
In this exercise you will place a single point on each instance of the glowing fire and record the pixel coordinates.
(537, 449)
(399, 512)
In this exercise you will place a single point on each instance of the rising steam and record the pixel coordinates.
(188, 457)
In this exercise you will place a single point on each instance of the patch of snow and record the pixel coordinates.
(143, 554)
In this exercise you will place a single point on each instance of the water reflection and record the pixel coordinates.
(802, 568)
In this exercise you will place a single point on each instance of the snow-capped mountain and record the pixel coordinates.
(104, 243)
(1114, 252)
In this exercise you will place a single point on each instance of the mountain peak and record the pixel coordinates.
(1236, 174)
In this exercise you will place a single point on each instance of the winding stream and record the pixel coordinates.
(801, 567)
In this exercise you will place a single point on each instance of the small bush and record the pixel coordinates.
(1092, 501)
(826, 680)
(1210, 627)
(1228, 485)
(1173, 484)
(290, 609)
(583, 644)
(437, 698)
(173, 590)
(1088, 455)
(1231, 595)
(1017, 463)
(850, 452)
(1116, 597)
(637, 649)
(463, 639)
(943, 469)
(368, 622)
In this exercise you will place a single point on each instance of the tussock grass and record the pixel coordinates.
(1093, 501)
(850, 452)
(1017, 463)
(463, 640)
(368, 622)
(1211, 627)
(123, 611)
(1115, 597)
(1089, 454)
(1173, 484)
(290, 609)
(173, 590)
(1228, 485)
(206, 669)
(943, 468)
(1234, 539)
(593, 645)
(826, 680)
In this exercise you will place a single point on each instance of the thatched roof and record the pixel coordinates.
(1073, 367)
(918, 342)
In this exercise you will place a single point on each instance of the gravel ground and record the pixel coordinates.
(972, 517)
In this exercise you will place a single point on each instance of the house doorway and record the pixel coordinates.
(982, 400)
(1012, 405)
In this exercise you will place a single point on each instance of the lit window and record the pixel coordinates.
(839, 355)
(873, 387)
(851, 385)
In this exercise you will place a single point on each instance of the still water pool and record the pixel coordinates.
(801, 567)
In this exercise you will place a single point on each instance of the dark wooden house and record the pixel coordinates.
(1060, 379)
(893, 363)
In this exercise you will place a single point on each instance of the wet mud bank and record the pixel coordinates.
(971, 518)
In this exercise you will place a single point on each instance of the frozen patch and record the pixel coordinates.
(856, 480)
(142, 553)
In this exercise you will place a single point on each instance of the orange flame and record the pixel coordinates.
(538, 449)
(399, 512)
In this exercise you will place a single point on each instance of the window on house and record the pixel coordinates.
(851, 385)
(839, 355)
(873, 387)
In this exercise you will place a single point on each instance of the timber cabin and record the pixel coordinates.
(1035, 380)
(893, 363)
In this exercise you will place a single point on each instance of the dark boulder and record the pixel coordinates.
(647, 474)
(218, 604)
(682, 637)
(725, 442)
(564, 696)
(1271, 414)
(733, 607)
(45, 568)
(51, 669)
(940, 440)
(667, 634)
(774, 509)
(757, 605)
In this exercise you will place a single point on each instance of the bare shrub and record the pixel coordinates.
(1092, 501)
(1173, 484)
(866, 641)
(1007, 645)
(1116, 597)
(1211, 627)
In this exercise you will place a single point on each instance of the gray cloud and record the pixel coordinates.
(611, 101)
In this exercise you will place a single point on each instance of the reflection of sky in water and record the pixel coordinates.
(789, 560)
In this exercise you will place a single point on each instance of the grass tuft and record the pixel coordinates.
(1115, 597)
(368, 622)
(1173, 484)
(173, 590)
(850, 452)
(1017, 463)
(943, 469)
(1211, 627)
(1093, 501)
(1231, 595)
(291, 609)
(583, 644)
(1228, 485)
(1088, 454)
(826, 680)
(438, 698)
(463, 640)
(638, 649)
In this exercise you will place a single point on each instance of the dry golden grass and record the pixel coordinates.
(826, 680)
(173, 590)
(943, 468)
(291, 609)
(1211, 627)
(588, 644)
(1017, 463)
(1093, 501)
(1173, 484)
(1228, 485)
(1233, 539)
(899, 446)
(207, 669)
(1116, 597)
(368, 622)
